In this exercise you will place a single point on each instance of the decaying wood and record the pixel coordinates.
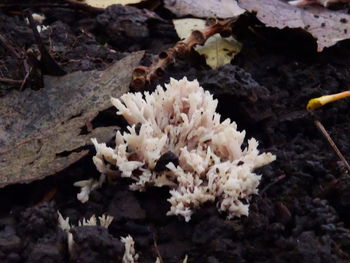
(11, 81)
(144, 76)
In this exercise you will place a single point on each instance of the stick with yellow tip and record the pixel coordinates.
(316, 103)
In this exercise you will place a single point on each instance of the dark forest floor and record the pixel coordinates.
(302, 213)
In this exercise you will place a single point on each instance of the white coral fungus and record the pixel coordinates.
(130, 255)
(181, 120)
(86, 186)
(105, 221)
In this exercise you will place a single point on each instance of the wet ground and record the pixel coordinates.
(302, 211)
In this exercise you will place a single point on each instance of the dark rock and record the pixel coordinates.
(308, 249)
(125, 205)
(125, 25)
(155, 204)
(139, 229)
(9, 241)
(209, 229)
(95, 244)
(174, 251)
(171, 231)
(51, 249)
(233, 86)
(219, 250)
(38, 221)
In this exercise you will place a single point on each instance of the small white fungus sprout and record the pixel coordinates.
(104, 221)
(206, 161)
(86, 186)
(130, 255)
(39, 18)
(88, 222)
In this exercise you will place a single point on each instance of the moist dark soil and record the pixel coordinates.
(302, 213)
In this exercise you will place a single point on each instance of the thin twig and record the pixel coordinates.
(7, 45)
(144, 76)
(341, 253)
(48, 196)
(157, 249)
(278, 179)
(331, 143)
(10, 81)
(24, 81)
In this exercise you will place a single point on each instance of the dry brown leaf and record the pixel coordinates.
(218, 51)
(327, 26)
(207, 8)
(106, 3)
(40, 131)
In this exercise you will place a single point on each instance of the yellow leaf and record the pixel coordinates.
(218, 51)
(106, 3)
(185, 26)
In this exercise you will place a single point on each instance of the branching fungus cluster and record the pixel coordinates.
(176, 139)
